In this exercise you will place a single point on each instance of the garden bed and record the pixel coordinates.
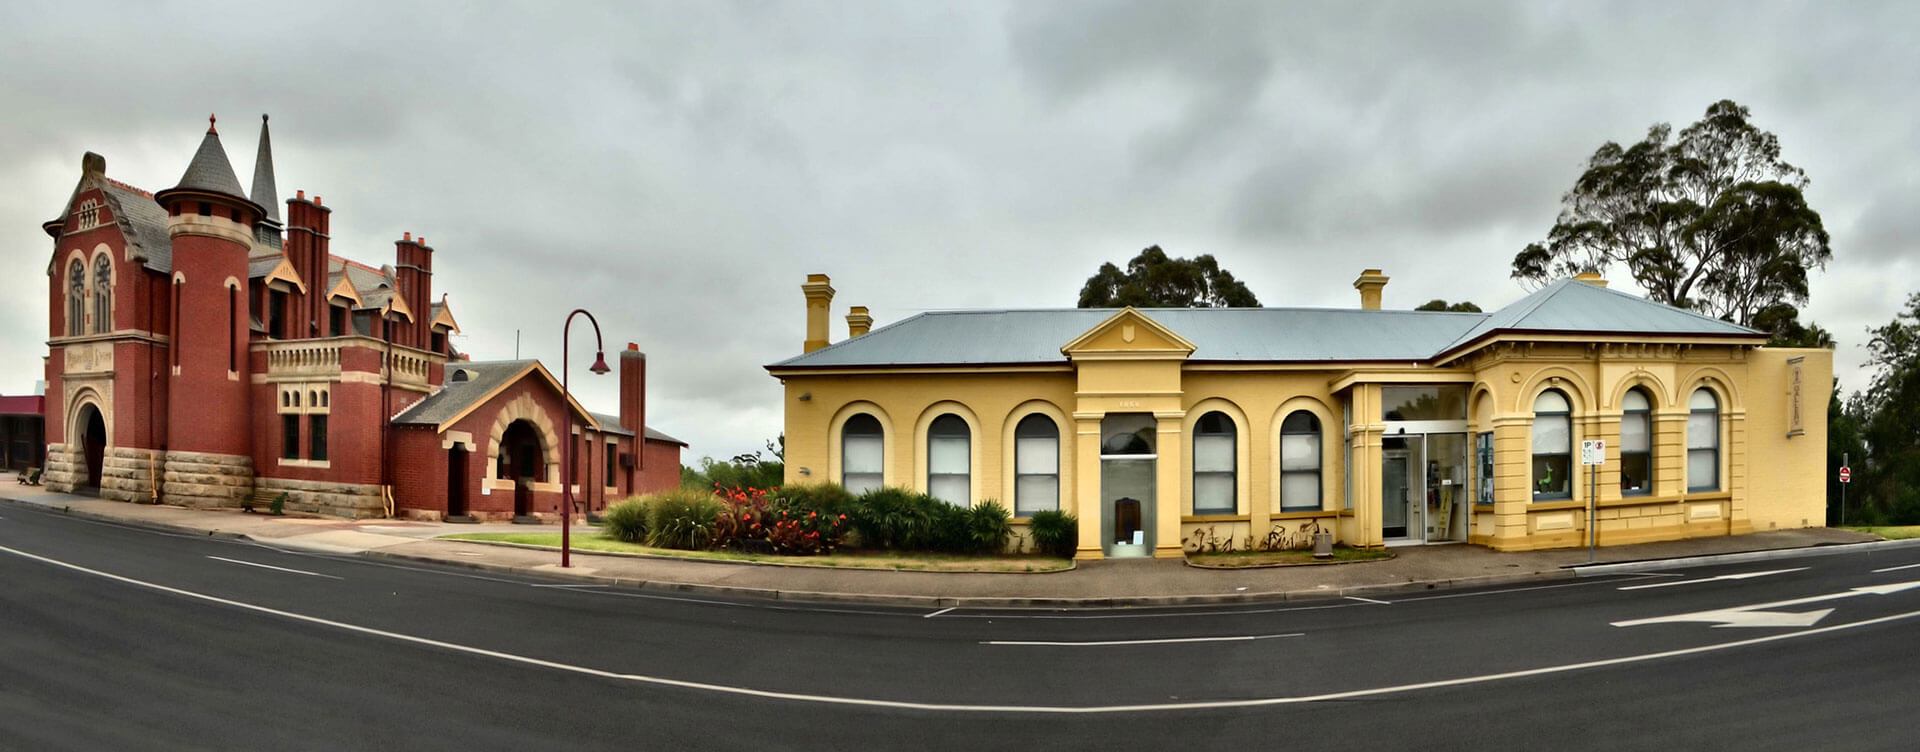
(901, 561)
(1304, 557)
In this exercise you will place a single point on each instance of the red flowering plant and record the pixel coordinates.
(743, 521)
(797, 531)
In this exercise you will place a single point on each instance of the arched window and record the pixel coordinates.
(76, 299)
(862, 454)
(1036, 466)
(1636, 444)
(1214, 465)
(1300, 462)
(1703, 441)
(949, 460)
(103, 295)
(1552, 446)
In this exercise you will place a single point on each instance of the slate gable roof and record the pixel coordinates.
(454, 397)
(1262, 335)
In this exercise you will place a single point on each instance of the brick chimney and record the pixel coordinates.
(633, 400)
(1371, 285)
(819, 292)
(413, 265)
(305, 246)
(858, 322)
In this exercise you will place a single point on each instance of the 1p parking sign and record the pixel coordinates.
(1593, 452)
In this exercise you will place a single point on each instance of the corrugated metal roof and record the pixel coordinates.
(1218, 334)
(1260, 334)
(1573, 306)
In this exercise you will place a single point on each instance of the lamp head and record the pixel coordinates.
(599, 363)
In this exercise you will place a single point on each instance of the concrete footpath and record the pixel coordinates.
(1109, 583)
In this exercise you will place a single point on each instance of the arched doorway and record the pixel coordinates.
(520, 460)
(457, 483)
(93, 446)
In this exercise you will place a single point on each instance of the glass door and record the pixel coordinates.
(1401, 511)
(1127, 460)
(1446, 488)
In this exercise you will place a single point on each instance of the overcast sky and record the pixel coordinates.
(678, 168)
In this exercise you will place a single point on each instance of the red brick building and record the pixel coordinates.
(204, 350)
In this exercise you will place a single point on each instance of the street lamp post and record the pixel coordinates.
(566, 437)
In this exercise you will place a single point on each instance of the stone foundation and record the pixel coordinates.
(196, 479)
(129, 474)
(66, 469)
(350, 500)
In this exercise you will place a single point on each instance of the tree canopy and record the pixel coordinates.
(1711, 220)
(1155, 280)
(1880, 427)
(1437, 304)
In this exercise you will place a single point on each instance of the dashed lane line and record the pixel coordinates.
(274, 568)
(1161, 641)
(959, 708)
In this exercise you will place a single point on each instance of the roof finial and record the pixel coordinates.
(210, 128)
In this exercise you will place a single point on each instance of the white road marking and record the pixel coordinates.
(568, 586)
(1737, 576)
(937, 613)
(963, 708)
(1368, 600)
(1165, 641)
(1757, 614)
(1896, 569)
(277, 569)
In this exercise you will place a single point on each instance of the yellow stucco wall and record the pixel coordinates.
(1768, 478)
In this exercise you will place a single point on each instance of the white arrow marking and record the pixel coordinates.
(1736, 576)
(1756, 615)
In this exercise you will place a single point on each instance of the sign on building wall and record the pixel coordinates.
(1796, 418)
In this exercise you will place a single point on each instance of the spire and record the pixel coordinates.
(264, 192)
(210, 171)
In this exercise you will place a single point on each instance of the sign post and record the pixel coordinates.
(1593, 453)
(1846, 478)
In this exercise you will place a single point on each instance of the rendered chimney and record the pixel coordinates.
(1591, 277)
(819, 292)
(1371, 284)
(858, 322)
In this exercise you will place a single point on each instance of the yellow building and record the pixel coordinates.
(1172, 429)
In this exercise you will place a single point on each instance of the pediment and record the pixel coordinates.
(1129, 333)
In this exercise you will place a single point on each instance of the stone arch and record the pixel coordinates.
(889, 439)
(1575, 386)
(82, 398)
(1712, 377)
(1648, 381)
(524, 408)
(1008, 453)
(975, 434)
(1330, 422)
(1482, 406)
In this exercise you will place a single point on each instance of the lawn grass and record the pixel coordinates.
(1280, 558)
(889, 560)
(1892, 532)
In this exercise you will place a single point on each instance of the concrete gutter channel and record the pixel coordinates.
(1569, 572)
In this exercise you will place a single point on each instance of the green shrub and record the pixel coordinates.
(626, 521)
(949, 529)
(829, 499)
(1054, 533)
(893, 518)
(681, 518)
(987, 528)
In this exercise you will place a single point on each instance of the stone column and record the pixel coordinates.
(1169, 474)
(1086, 485)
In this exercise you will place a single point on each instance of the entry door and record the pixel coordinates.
(1394, 492)
(457, 481)
(1446, 487)
(1126, 490)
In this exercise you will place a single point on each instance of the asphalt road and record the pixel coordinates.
(123, 638)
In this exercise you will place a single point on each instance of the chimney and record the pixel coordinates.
(633, 400)
(1591, 277)
(858, 322)
(1370, 284)
(819, 292)
(413, 268)
(305, 246)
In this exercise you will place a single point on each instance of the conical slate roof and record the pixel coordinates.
(264, 192)
(210, 171)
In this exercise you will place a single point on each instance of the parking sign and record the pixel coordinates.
(1593, 452)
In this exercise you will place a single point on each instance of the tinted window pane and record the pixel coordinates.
(1440, 402)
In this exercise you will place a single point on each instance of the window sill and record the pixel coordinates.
(1555, 504)
(1216, 517)
(1707, 496)
(310, 464)
(1302, 514)
(1639, 501)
